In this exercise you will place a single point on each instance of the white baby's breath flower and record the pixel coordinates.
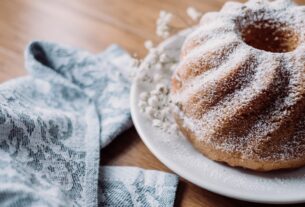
(144, 66)
(154, 55)
(167, 126)
(142, 104)
(158, 66)
(163, 24)
(153, 101)
(149, 111)
(193, 13)
(142, 76)
(156, 123)
(148, 44)
(154, 92)
(163, 58)
(157, 77)
(135, 63)
(161, 87)
(164, 113)
(144, 96)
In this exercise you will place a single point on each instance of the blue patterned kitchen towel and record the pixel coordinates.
(53, 124)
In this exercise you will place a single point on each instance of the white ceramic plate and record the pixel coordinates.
(179, 155)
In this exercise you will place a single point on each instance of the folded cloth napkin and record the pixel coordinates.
(53, 124)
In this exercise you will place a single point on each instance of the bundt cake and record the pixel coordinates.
(238, 92)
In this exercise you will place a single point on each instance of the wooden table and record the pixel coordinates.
(93, 25)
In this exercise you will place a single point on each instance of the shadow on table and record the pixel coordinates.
(125, 150)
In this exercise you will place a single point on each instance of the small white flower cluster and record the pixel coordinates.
(136, 63)
(153, 71)
(163, 24)
(156, 70)
(193, 13)
(156, 106)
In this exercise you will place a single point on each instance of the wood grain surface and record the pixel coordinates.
(93, 25)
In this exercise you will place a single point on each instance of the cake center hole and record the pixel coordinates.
(270, 36)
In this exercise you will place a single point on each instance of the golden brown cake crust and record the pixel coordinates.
(239, 90)
(234, 159)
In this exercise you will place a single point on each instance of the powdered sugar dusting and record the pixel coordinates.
(255, 108)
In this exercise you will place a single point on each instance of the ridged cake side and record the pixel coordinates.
(240, 104)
